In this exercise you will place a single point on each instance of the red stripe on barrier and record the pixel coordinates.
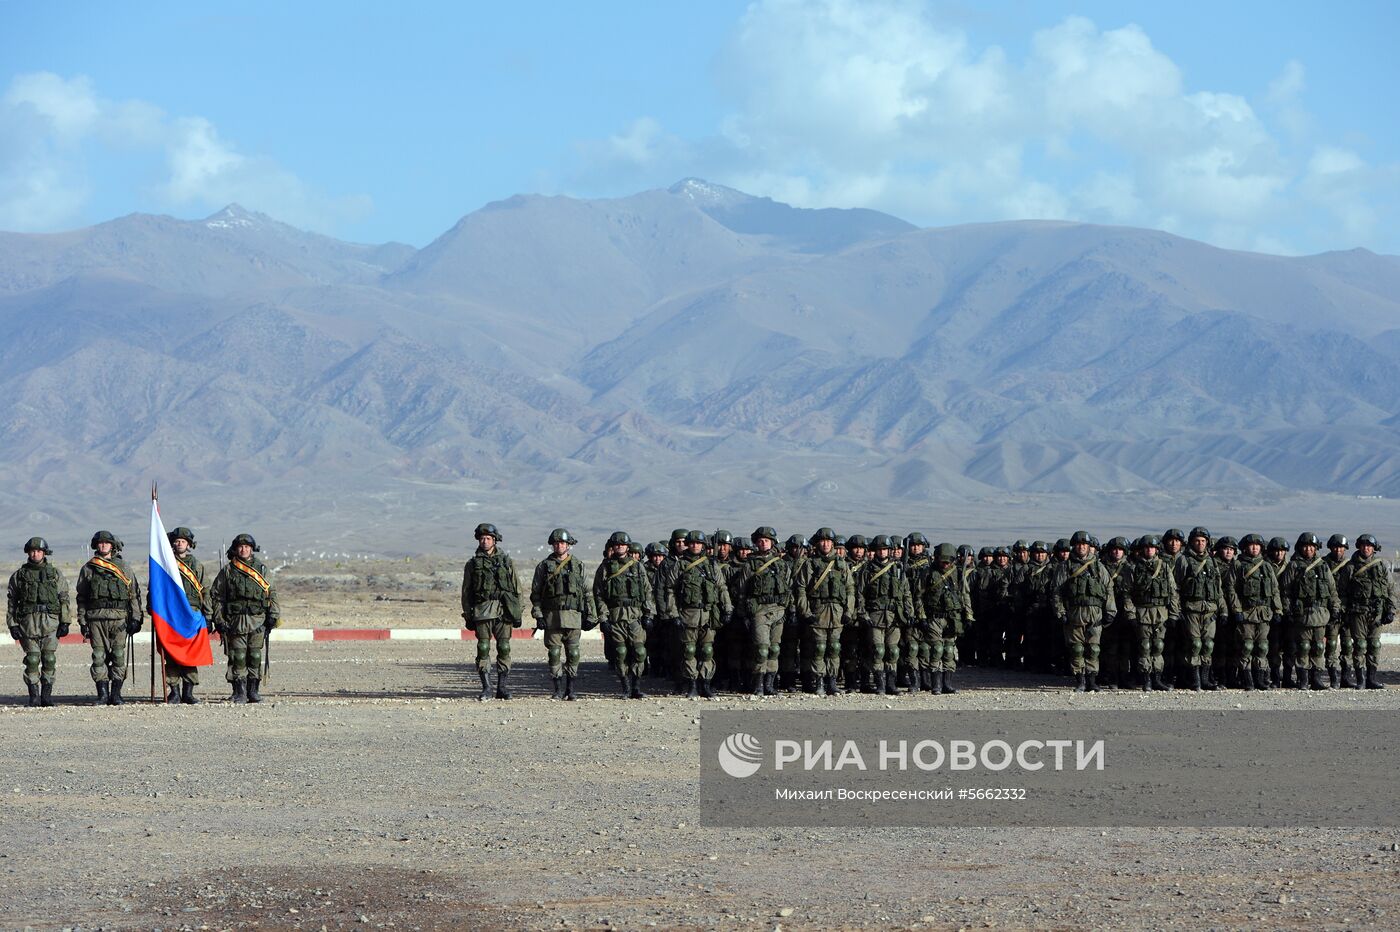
(350, 634)
(469, 634)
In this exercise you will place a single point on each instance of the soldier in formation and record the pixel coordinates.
(491, 608)
(37, 613)
(108, 597)
(245, 613)
(181, 680)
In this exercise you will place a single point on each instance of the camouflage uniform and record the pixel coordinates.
(1252, 594)
(702, 599)
(1369, 599)
(561, 605)
(37, 614)
(885, 605)
(765, 597)
(1117, 641)
(1083, 601)
(491, 609)
(180, 679)
(1335, 564)
(1309, 601)
(245, 610)
(790, 649)
(1202, 594)
(1037, 590)
(825, 601)
(944, 612)
(622, 592)
(1153, 608)
(108, 599)
(915, 661)
(1283, 649)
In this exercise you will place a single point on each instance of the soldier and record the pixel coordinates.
(731, 643)
(108, 598)
(945, 612)
(1310, 600)
(1369, 600)
(1252, 595)
(181, 680)
(702, 598)
(790, 650)
(658, 573)
(1282, 648)
(491, 607)
(1202, 593)
(1036, 596)
(1016, 608)
(1226, 658)
(915, 657)
(1335, 560)
(855, 659)
(825, 601)
(764, 586)
(885, 606)
(623, 594)
(1153, 608)
(1083, 601)
(37, 616)
(561, 606)
(1117, 641)
(245, 613)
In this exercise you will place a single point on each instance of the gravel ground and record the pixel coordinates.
(367, 793)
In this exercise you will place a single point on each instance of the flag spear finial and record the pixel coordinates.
(153, 491)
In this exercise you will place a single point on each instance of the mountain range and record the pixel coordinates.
(690, 348)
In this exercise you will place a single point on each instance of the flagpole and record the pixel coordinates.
(153, 630)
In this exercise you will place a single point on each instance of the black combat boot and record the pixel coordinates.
(33, 695)
(1275, 674)
(1208, 682)
(173, 695)
(1349, 681)
(935, 680)
(1319, 682)
(831, 686)
(503, 685)
(879, 682)
(1162, 684)
(636, 692)
(770, 688)
(706, 692)
(903, 679)
(1091, 682)
(1333, 680)
(760, 684)
(694, 692)
(1196, 679)
(569, 687)
(253, 696)
(485, 685)
(1244, 678)
(46, 694)
(101, 693)
(816, 686)
(1300, 678)
(1146, 684)
(890, 688)
(1372, 682)
(238, 695)
(1261, 678)
(1291, 678)
(947, 685)
(187, 693)
(558, 688)
(1081, 683)
(114, 693)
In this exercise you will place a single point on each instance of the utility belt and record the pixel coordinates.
(245, 608)
(105, 604)
(1157, 604)
(623, 603)
(37, 608)
(829, 600)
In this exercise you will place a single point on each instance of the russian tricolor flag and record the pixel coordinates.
(181, 631)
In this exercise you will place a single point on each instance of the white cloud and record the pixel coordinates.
(877, 104)
(51, 127)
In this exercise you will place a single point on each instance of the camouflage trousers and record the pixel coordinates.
(918, 651)
(882, 647)
(854, 655)
(40, 659)
(244, 649)
(1082, 642)
(1117, 645)
(790, 647)
(108, 639)
(821, 650)
(1361, 641)
(561, 646)
(942, 637)
(1312, 646)
(629, 645)
(1151, 641)
(1198, 629)
(488, 630)
(1253, 644)
(177, 674)
(697, 652)
(1332, 648)
(766, 636)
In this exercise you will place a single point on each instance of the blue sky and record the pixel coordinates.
(1252, 125)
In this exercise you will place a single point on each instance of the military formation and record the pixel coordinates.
(890, 613)
(240, 604)
(826, 615)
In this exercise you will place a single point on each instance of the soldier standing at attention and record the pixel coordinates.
(562, 606)
(109, 607)
(945, 612)
(1153, 607)
(765, 594)
(1370, 605)
(181, 680)
(1310, 600)
(1084, 600)
(491, 607)
(1202, 593)
(702, 598)
(1282, 648)
(36, 613)
(1254, 602)
(245, 610)
(790, 650)
(825, 601)
(1117, 641)
(1335, 560)
(914, 655)
(886, 606)
(855, 662)
(622, 592)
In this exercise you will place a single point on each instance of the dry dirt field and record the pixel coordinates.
(369, 791)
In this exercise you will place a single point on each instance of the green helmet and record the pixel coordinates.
(1081, 537)
(1174, 533)
(984, 553)
(484, 529)
(880, 542)
(916, 537)
(765, 531)
(656, 549)
(619, 537)
(1149, 540)
(964, 551)
(839, 540)
(796, 542)
(1368, 540)
(1337, 540)
(37, 543)
(824, 533)
(1061, 545)
(1227, 542)
(723, 537)
(560, 534)
(1248, 539)
(634, 548)
(743, 543)
(1118, 543)
(858, 540)
(1305, 539)
(696, 537)
(1000, 552)
(181, 533)
(1040, 546)
(103, 537)
(1199, 532)
(945, 553)
(245, 539)
(1019, 545)
(679, 534)
(1278, 543)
